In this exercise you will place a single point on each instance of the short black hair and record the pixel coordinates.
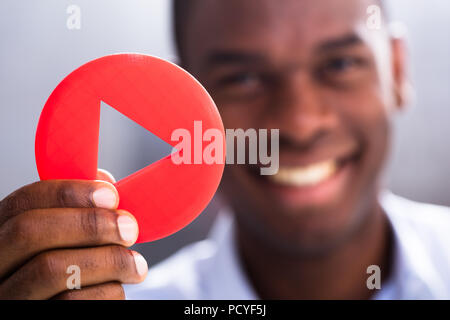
(180, 14)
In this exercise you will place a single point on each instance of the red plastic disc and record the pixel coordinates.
(158, 95)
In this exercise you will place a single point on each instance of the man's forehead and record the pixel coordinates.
(241, 23)
(280, 28)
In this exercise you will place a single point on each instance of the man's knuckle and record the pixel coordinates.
(120, 258)
(71, 193)
(48, 267)
(90, 224)
(17, 201)
(20, 231)
(64, 195)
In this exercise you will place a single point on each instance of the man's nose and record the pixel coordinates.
(299, 109)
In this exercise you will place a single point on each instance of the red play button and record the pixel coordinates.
(161, 97)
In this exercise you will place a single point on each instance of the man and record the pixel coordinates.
(313, 70)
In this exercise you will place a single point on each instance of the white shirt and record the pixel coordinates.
(210, 269)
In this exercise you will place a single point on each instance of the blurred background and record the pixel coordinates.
(38, 50)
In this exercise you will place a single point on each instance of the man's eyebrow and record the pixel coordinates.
(221, 57)
(345, 41)
(225, 57)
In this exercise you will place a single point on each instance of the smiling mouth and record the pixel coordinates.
(311, 184)
(304, 176)
(310, 175)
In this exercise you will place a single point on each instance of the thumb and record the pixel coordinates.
(105, 176)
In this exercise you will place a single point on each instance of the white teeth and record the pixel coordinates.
(304, 176)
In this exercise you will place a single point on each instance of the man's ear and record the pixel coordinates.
(402, 86)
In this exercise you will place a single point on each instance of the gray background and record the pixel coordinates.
(37, 51)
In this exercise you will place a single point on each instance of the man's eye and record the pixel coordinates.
(239, 85)
(343, 70)
(239, 79)
(342, 64)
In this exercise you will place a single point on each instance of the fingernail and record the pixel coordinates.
(141, 264)
(128, 228)
(105, 198)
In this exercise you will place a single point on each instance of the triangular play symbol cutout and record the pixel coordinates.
(125, 146)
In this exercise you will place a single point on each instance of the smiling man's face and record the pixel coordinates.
(313, 70)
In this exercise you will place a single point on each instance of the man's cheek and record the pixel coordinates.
(235, 117)
(375, 131)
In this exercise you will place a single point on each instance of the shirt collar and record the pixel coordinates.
(227, 279)
(413, 275)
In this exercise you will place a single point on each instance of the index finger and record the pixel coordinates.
(59, 194)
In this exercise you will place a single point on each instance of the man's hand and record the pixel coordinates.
(47, 226)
